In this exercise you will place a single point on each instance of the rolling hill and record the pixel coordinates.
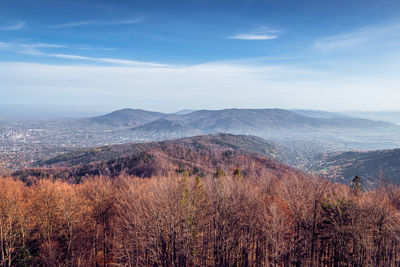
(200, 155)
(371, 166)
(250, 144)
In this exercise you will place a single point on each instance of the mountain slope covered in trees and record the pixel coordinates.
(202, 155)
(199, 156)
(372, 166)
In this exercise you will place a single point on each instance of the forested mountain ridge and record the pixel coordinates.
(200, 156)
(237, 119)
(373, 166)
(243, 143)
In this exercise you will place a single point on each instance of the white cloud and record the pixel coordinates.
(262, 33)
(253, 37)
(17, 26)
(97, 23)
(365, 38)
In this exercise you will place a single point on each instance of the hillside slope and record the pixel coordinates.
(200, 155)
(371, 166)
(163, 129)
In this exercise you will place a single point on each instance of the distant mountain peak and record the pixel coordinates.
(128, 117)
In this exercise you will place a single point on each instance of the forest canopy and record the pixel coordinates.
(190, 221)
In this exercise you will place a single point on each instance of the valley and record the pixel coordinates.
(313, 141)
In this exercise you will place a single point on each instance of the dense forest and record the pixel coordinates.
(198, 156)
(225, 219)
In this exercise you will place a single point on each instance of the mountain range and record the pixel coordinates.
(303, 130)
(237, 120)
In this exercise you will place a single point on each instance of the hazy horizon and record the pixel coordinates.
(39, 112)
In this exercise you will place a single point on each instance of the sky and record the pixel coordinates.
(77, 56)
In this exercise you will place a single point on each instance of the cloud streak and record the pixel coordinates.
(262, 33)
(365, 38)
(17, 26)
(97, 23)
(28, 48)
(36, 49)
(108, 60)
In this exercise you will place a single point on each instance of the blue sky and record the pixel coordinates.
(170, 55)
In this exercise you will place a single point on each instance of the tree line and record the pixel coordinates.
(221, 220)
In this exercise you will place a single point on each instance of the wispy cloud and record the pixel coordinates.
(17, 26)
(262, 33)
(126, 21)
(109, 60)
(74, 24)
(97, 23)
(27, 48)
(365, 38)
(36, 48)
(39, 49)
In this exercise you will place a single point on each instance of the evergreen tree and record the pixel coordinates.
(237, 173)
(219, 173)
(357, 185)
